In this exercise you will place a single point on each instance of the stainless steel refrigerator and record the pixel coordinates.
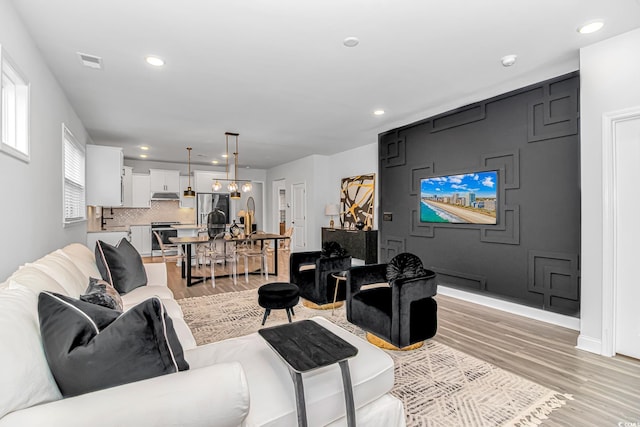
(206, 202)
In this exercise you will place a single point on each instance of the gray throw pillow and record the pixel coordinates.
(120, 265)
(102, 293)
(89, 347)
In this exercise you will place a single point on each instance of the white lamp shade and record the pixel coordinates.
(331, 209)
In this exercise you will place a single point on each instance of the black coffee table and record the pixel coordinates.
(305, 346)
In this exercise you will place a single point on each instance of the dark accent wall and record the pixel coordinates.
(531, 137)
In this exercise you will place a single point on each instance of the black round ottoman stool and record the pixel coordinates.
(277, 296)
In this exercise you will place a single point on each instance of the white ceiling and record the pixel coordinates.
(277, 72)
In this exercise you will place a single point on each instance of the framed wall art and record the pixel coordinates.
(356, 201)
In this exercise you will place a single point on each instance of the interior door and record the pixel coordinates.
(299, 216)
(627, 155)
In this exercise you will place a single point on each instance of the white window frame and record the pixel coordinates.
(74, 209)
(14, 110)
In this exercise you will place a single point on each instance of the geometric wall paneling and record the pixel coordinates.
(508, 229)
(460, 279)
(393, 151)
(463, 116)
(531, 255)
(554, 116)
(417, 173)
(509, 163)
(420, 229)
(390, 247)
(554, 275)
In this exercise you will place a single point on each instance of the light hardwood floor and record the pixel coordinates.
(606, 390)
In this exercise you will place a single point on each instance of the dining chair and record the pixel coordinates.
(219, 252)
(285, 244)
(250, 250)
(166, 247)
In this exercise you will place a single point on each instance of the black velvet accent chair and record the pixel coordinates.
(402, 313)
(312, 271)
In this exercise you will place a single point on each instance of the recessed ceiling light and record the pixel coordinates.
(155, 61)
(351, 42)
(144, 156)
(508, 60)
(144, 147)
(215, 162)
(225, 155)
(590, 27)
(378, 112)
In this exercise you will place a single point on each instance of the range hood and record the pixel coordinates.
(165, 196)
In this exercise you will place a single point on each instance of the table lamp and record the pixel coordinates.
(331, 209)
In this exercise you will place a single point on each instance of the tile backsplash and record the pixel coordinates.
(160, 210)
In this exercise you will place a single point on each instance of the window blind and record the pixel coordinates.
(74, 183)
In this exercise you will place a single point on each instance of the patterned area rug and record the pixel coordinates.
(439, 386)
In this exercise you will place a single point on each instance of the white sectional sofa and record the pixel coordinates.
(235, 382)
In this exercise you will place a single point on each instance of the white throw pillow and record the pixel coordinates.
(24, 373)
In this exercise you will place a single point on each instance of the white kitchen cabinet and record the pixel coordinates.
(164, 181)
(110, 237)
(203, 181)
(141, 239)
(127, 183)
(140, 190)
(186, 202)
(104, 171)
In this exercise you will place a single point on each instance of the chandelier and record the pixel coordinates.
(233, 186)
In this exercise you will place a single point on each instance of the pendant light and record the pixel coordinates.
(233, 185)
(189, 192)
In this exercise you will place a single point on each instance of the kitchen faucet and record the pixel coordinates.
(103, 220)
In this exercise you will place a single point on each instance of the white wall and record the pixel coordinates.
(609, 80)
(31, 193)
(322, 176)
(358, 161)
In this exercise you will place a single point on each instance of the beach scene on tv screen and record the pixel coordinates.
(460, 199)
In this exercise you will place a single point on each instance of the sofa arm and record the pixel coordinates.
(213, 395)
(156, 273)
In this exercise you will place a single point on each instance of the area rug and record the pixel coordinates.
(438, 385)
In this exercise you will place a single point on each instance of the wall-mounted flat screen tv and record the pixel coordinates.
(470, 198)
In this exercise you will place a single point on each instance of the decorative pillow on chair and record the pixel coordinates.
(89, 347)
(120, 265)
(404, 266)
(102, 293)
(332, 250)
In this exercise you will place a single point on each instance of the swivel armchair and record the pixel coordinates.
(313, 273)
(397, 316)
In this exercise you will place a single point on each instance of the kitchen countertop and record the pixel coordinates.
(187, 226)
(122, 229)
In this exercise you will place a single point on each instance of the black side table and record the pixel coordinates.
(305, 346)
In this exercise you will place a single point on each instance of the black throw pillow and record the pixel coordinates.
(102, 293)
(120, 265)
(404, 266)
(89, 347)
(332, 250)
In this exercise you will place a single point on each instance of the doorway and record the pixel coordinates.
(299, 216)
(279, 214)
(621, 151)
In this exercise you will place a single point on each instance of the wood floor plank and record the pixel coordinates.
(606, 390)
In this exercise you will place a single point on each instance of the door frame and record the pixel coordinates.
(276, 185)
(609, 224)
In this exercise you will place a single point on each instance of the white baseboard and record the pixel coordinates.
(590, 344)
(510, 307)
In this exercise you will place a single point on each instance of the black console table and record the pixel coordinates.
(305, 346)
(358, 243)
